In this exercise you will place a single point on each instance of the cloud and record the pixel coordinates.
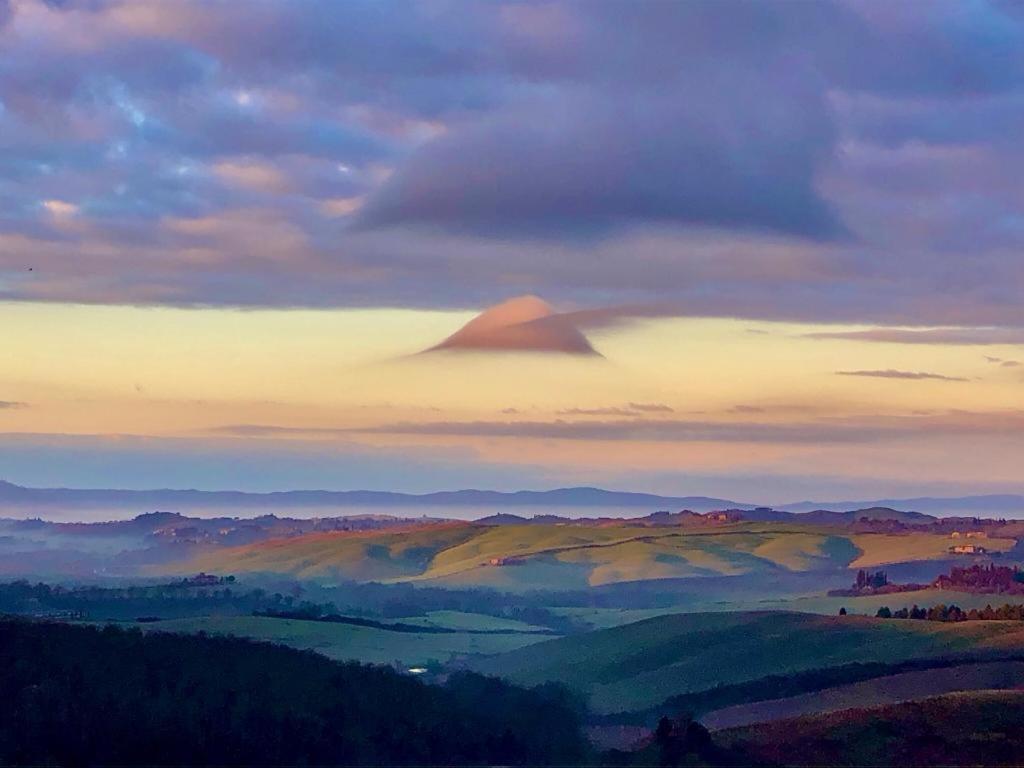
(891, 373)
(826, 161)
(10, 404)
(961, 336)
(611, 411)
(746, 409)
(631, 409)
(866, 429)
(651, 408)
(516, 175)
(1002, 363)
(521, 324)
(254, 175)
(623, 429)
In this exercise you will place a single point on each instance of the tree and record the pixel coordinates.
(677, 739)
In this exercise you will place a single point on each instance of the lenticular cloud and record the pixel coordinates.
(522, 324)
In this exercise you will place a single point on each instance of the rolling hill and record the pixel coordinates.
(354, 556)
(559, 557)
(974, 728)
(346, 642)
(875, 692)
(638, 666)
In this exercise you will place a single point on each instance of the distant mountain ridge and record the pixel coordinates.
(1007, 503)
(178, 499)
(16, 496)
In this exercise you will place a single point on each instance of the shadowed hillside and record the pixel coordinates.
(978, 728)
(874, 692)
(81, 696)
(640, 665)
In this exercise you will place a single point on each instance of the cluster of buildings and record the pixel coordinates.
(968, 548)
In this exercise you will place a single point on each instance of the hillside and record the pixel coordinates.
(877, 691)
(638, 666)
(519, 557)
(346, 642)
(976, 728)
(548, 550)
(73, 695)
(355, 556)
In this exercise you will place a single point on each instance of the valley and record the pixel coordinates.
(742, 619)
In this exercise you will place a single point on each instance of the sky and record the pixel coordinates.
(784, 239)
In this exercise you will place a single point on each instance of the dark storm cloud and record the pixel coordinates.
(800, 161)
(648, 158)
(651, 126)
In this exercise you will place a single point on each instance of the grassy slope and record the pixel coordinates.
(868, 605)
(605, 618)
(359, 556)
(880, 691)
(471, 621)
(639, 665)
(570, 557)
(881, 549)
(579, 556)
(345, 641)
(977, 728)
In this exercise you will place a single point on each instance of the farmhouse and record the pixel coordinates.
(967, 549)
(501, 561)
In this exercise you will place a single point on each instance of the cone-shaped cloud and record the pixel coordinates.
(523, 324)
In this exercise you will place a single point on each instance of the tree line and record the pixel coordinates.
(982, 578)
(181, 599)
(943, 612)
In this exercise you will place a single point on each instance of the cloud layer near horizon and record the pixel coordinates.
(814, 161)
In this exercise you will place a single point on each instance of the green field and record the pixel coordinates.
(604, 618)
(348, 642)
(360, 556)
(868, 605)
(472, 621)
(639, 665)
(526, 557)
